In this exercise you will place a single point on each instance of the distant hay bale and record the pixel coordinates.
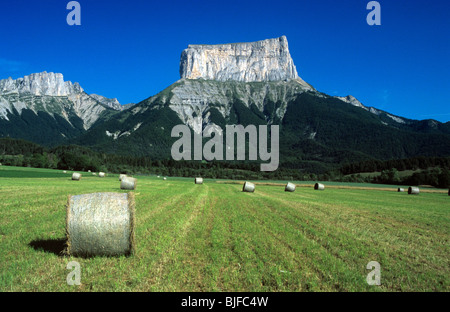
(400, 189)
(100, 224)
(157, 176)
(248, 187)
(290, 187)
(164, 178)
(64, 171)
(76, 176)
(319, 186)
(413, 190)
(101, 174)
(128, 183)
(89, 170)
(198, 180)
(121, 176)
(93, 173)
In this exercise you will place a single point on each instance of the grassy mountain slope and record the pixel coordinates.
(317, 131)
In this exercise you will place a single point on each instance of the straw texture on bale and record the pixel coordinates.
(290, 187)
(76, 176)
(101, 174)
(413, 190)
(319, 186)
(198, 180)
(121, 176)
(248, 187)
(100, 224)
(400, 189)
(128, 183)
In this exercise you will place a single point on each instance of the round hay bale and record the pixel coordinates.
(157, 176)
(93, 173)
(164, 178)
(412, 190)
(121, 176)
(319, 186)
(89, 170)
(100, 224)
(290, 187)
(64, 171)
(76, 176)
(198, 180)
(400, 189)
(101, 174)
(248, 187)
(128, 183)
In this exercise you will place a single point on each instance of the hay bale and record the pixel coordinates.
(64, 171)
(128, 183)
(400, 189)
(164, 178)
(319, 186)
(198, 180)
(121, 176)
(89, 170)
(290, 187)
(101, 174)
(93, 173)
(100, 224)
(412, 190)
(157, 176)
(76, 176)
(248, 187)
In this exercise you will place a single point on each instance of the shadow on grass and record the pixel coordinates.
(55, 246)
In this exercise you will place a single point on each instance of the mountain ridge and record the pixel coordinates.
(317, 130)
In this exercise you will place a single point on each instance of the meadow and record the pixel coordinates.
(213, 237)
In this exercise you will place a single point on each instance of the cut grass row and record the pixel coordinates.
(213, 237)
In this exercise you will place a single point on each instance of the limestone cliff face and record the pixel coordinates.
(217, 75)
(266, 60)
(48, 92)
(40, 84)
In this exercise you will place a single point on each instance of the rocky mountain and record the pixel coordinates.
(266, 60)
(112, 103)
(257, 83)
(44, 108)
(40, 84)
(243, 83)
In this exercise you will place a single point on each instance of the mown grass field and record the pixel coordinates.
(213, 237)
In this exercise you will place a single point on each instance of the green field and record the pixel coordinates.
(213, 237)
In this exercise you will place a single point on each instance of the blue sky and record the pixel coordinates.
(131, 49)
